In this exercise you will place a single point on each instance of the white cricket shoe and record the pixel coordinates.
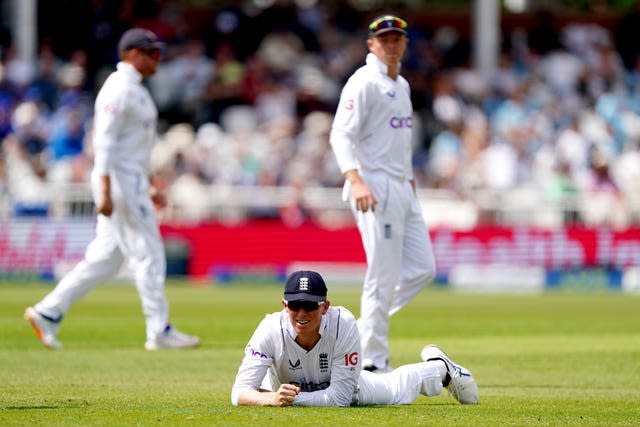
(171, 338)
(45, 329)
(459, 381)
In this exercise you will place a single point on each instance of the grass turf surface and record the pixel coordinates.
(550, 359)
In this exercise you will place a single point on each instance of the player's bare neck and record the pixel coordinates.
(307, 342)
(392, 71)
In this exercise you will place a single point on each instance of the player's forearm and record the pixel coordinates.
(260, 397)
(250, 398)
(340, 393)
(328, 397)
(105, 185)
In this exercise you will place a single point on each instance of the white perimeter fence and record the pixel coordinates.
(524, 206)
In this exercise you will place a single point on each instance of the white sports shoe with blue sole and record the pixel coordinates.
(171, 338)
(459, 382)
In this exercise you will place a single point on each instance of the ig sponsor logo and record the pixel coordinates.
(351, 359)
(401, 122)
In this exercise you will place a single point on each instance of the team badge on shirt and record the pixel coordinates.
(323, 361)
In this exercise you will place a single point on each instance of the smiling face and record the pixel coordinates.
(389, 47)
(306, 323)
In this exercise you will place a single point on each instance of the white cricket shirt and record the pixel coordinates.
(373, 123)
(125, 119)
(327, 374)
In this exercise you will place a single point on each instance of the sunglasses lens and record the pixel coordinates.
(307, 305)
(153, 52)
(390, 22)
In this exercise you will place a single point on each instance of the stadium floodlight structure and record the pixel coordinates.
(486, 36)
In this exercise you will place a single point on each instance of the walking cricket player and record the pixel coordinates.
(124, 134)
(371, 139)
(308, 354)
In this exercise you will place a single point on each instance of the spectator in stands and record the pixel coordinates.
(46, 81)
(66, 138)
(225, 88)
(187, 75)
(592, 71)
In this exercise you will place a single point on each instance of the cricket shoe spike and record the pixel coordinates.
(45, 329)
(171, 338)
(459, 380)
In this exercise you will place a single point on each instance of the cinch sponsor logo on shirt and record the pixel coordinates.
(311, 386)
(256, 353)
(401, 122)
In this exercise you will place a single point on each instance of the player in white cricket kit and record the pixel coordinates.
(124, 133)
(371, 139)
(308, 354)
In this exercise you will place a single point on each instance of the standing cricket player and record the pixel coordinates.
(124, 134)
(308, 354)
(371, 139)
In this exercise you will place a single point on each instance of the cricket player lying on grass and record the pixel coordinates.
(308, 354)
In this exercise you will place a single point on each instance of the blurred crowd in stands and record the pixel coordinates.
(249, 101)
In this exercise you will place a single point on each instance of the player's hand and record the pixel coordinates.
(363, 197)
(157, 197)
(286, 394)
(105, 205)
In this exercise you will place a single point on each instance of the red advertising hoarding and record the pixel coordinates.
(36, 246)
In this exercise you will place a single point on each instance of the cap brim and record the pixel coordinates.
(154, 45)
(304, 297)
(386, 30)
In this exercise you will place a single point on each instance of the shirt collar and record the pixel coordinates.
(129, 70)
(374, 61)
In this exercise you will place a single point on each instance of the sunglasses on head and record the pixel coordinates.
(387, 22)
(307, 305)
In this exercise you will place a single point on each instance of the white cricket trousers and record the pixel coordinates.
(130, 233)
(399, 387)
(400, 260)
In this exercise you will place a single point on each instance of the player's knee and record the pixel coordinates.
(426, 274)
(432, 385)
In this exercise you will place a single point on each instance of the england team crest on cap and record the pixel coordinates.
(305, 285)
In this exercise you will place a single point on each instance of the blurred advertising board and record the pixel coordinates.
(565, 257)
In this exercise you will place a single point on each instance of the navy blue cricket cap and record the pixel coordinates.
(305, 285)
(139, 38)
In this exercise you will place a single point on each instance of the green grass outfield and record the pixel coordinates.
(554, 359)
